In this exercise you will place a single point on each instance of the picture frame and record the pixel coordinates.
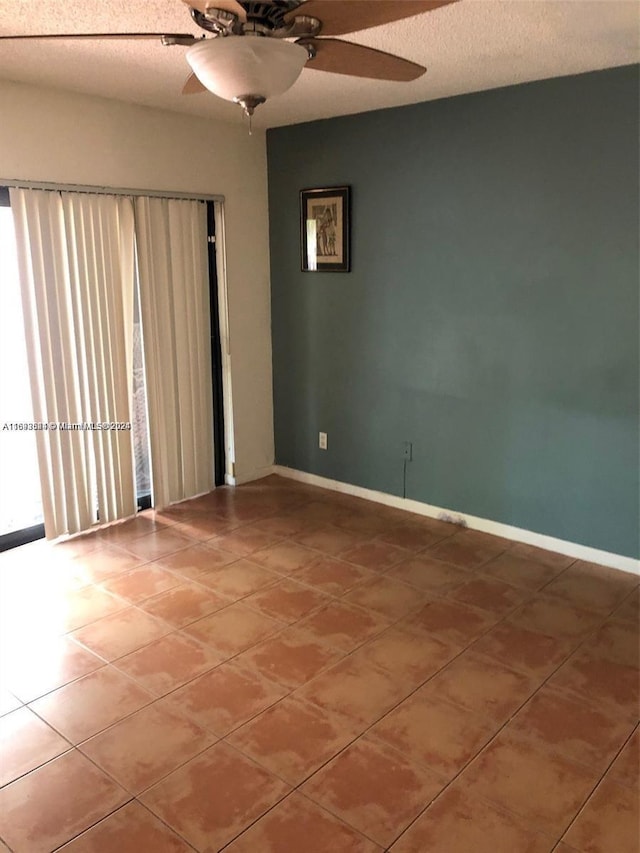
(325, 229)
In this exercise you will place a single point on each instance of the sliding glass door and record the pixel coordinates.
(21, 504)
(20, 496)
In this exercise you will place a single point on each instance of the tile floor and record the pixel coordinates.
(282, 669)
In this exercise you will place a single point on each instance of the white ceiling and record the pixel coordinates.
(467, 47)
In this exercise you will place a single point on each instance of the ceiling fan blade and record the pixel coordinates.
(344, 57)
(172, 38)
(349, 16)
(193, 86)
(226, 5)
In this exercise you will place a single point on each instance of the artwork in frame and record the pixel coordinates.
(324, 226)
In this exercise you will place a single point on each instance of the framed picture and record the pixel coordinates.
(324, 229)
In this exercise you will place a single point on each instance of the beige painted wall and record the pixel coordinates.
(55, 136)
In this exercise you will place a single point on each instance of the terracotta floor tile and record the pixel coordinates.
(173, 513)
(377, 556)
(579, 731)
(616, 641)
(214, 797)
(203, 526)
(424, 634)
(441, 736)
(387, 596)
(156, 545)
(92, 703)
(233, 629)
(285, 557)
(293, 739)
(629, 610)
(374, 789)
(458, 823)
(121, 633)
(79, 546)
(609, 821)
(451, 621)
(298, 824)
(413, 537)
(244, 540)
(29, 671)
(141, 583)
(408, 655)
(370, 524)
(185, 603)
(626, 768)
(89, 604)
(225, 698)
(544, 788)
(193, 561)
(526, 651)
(131, 829)
(169, 663)
(49, 806)
(328, 539)
(541, 555)
(133, 528)
(8, 702)
(430, 575)
(291, 657)
(343, 626)
(519, 571)
(26, 743)
(600, 681)
(105, 563)
(238, 580)
(354, 688)
(584, 586)
(140, 750)
(283, 526)
(482, 686)
(317, 512)
(467, 549)
(287, 601)
(333, 576)
(489, 594)
(616, 577)
(555, 617)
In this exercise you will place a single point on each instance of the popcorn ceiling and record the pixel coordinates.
(470, 46)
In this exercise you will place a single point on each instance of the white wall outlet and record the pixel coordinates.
(322, 440)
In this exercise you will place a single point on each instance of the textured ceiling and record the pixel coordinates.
(468, 46)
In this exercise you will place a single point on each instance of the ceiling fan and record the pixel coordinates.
(256, 49)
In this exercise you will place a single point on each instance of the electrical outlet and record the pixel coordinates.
(407, 450)
(322, 440)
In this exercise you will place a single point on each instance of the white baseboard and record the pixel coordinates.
(517, 534)
(240, 479)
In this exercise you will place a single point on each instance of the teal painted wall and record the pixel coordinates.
(491, 316)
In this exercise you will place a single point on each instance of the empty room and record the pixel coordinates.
(320, 426)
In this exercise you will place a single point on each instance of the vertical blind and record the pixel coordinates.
(174, 299)
(77, 263)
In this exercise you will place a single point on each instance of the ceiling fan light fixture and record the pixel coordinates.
(247, 68)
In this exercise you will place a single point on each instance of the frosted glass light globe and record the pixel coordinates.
(233, 67)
